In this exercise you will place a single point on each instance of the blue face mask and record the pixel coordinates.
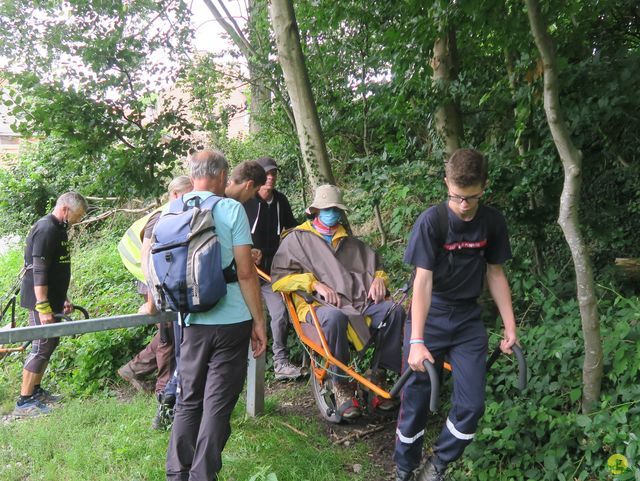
(330, 217)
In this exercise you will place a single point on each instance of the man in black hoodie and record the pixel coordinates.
(269, 213)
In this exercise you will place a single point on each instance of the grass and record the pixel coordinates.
(98, 439)
(106, 438)
(96, 436)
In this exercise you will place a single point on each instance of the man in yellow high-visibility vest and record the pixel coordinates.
(133, 246)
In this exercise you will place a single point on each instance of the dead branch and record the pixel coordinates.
(88, 197)
(111, 212)
(360, 434)
(295, 430)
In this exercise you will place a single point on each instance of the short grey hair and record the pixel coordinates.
(180, 184)
(207, 163)
(74, 201)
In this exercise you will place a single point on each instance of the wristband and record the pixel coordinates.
(43, 307)
(416, 341)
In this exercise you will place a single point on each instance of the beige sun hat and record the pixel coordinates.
(327, 196)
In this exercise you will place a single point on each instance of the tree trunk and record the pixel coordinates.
(445, 69)
(261, 84)
(568, 219)
(312, 145)
(259, 93)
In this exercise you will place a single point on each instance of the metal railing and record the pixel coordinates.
(70, 328)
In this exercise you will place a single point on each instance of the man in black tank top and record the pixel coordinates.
(44, 293)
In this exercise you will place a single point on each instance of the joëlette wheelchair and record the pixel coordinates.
(322, 361)
(8, 309)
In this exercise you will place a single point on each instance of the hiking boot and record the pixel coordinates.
(164, 414)
(286, 370)
(431, 472)
(347, 405)
(403, 475)
(380, 403)
(384, 405)
(126, 373)
(45, 396)
(31, 408)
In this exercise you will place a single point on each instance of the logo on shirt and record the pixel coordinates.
(65, 257)
(466, 245)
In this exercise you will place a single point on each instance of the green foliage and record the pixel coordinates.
(87, 76)
(541, 434)
(105, 288)
(32, 185)
(11, 262)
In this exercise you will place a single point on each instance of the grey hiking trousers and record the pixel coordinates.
(279, 322)
(212, 371)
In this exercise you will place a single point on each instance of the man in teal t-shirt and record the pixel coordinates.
(213, 358)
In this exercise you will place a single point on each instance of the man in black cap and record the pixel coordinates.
(269, 213)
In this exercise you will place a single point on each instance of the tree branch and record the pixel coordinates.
(235, 34)
(111, 212)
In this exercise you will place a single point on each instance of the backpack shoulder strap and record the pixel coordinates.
(175, 206)
(442, 223)
(210, 202)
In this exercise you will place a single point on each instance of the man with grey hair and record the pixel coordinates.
(213, 357)
(44, 292)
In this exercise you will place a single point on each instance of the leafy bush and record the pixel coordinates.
(104, 287)
(542, 434)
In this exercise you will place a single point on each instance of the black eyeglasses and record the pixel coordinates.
(458, 199)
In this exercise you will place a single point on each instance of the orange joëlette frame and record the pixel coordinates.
(323, 349)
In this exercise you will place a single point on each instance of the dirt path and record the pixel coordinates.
(378, 434)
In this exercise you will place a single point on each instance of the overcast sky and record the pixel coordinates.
(208, 34)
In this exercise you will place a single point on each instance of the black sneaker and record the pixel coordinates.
(30, 408)
(164, 414)
(45, 396)
(430, 472)
(403, 475)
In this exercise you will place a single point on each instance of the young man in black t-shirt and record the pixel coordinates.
(44, 293)
(269, 214)
(445, 316)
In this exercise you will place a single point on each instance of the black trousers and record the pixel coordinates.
(41, 349)
(212, 371)
(456, 332)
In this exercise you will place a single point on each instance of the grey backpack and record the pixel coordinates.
(185, 265)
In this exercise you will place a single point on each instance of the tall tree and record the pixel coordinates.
(259, 92)
(310, 136)
(90, 72)
(448, 118)
(568, 219)
(260, 78)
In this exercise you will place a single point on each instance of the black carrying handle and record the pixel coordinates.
(433, 378)
(64, 318)
(308, 298)
(82, 311)
(522, 364)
